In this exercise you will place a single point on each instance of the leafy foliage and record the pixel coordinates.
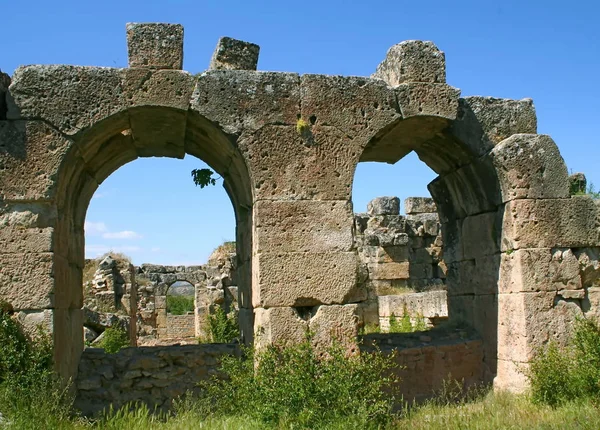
(560, 374)
(115, 339)
(180, 305)
(300, 387)
(28, 385)
(203, 177)
(222, 327)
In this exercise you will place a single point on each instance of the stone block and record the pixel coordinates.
(412, 61)
(280, 326)
(304, 279)
(167, 88)
(480, 234)
(529, 166)
(384, 206)
(431, 304)
(336, 323)
(426, 99)
(26, 280)
(550, 223)
(303, 226)
(31, 156)
(155, 45)
(478, 276)
(544, 269)
(391, 270)
(501, 118)
(31, 321)
(419, 205)
(240, 100)
(233, 54)
(358, 107)
(71, 98)
(282, 167)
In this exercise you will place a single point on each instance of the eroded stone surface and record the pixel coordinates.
(233, 54)
(412, 61)
(153, 45)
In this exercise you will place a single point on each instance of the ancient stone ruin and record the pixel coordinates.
(521, 254)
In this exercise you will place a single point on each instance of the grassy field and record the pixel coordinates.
(491, 411)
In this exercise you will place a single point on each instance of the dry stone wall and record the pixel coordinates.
(154, 376)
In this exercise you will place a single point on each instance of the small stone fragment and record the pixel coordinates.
(233, 54)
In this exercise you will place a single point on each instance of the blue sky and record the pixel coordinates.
(546, 50)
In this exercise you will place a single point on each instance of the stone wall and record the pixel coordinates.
(154, 376)
(427, 361)
(400, 253)
(180, 326)
(432, 306)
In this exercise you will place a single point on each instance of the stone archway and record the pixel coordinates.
(504, 218)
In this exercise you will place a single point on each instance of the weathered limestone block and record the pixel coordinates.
(419, 205)
(426, 99)
(529, 321)
(589, 266)
(154, 45)
(26, 280)
(282, 167)
(26, 228)
(71, 98)
(412, 61)
(384, 206)
(529, 166)
(334, 323)
(501, 118)
(431, 304)
(30, 159)
(544, 269)
(305, 279)
(302, 226)
(550, 223)
(31, 321)
(477, 276)
(233, 54)
(424, 224)
(392, 270)
(480, 234)
(387, 254)
(278, 326)
(68, 340)
(247, 100)
(358, 107)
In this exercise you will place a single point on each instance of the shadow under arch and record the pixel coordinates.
(99, 151)
(468, 198)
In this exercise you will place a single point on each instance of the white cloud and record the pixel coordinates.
(95, 228)
(126, 234)
(97, 250)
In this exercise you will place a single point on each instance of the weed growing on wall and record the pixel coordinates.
(301, 387)
(221, 327)
(114, 339)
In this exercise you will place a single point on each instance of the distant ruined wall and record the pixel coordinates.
(180, 326)
(399, 253)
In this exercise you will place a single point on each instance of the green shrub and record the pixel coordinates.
(420, 323)
(562, 374)
(180, 305)
(221, 327)
(300, 387)
(30, 396)
(114, 339)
